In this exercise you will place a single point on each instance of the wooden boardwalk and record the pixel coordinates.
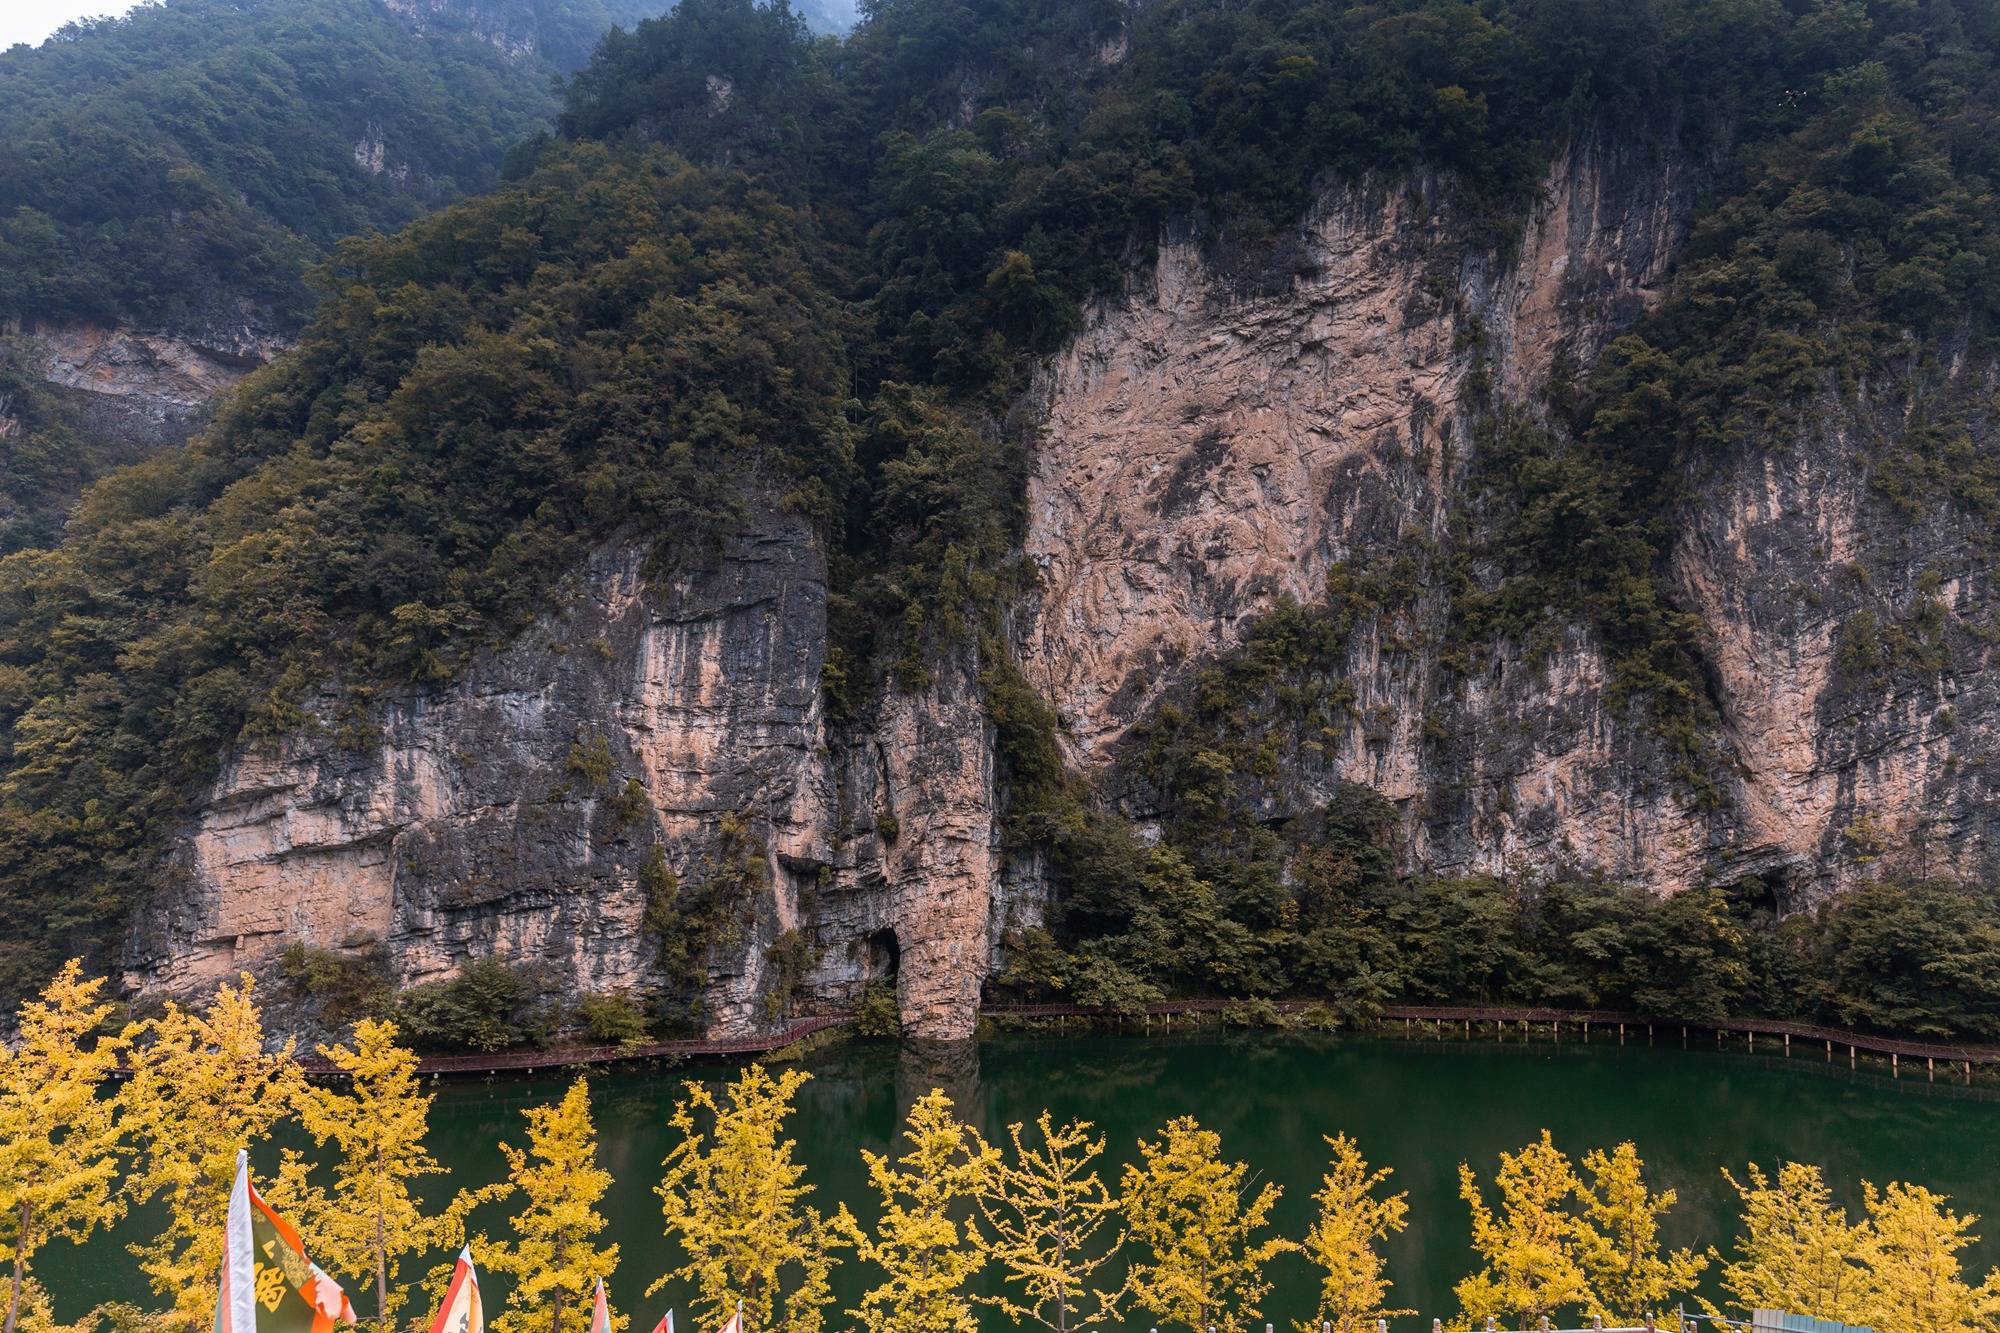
(568, 1057)
(1471, 1019)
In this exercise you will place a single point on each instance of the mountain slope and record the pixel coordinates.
(1335, 499)
(171, 175)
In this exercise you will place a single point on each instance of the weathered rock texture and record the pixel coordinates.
(468, 826)
(1208, 452)
(137, 390)
(1853, 645)
(1212, 443)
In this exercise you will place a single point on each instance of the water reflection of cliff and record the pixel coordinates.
(952, 1066)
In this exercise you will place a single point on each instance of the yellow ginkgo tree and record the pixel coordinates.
(1200, 1262)
(1797, 1251)
(1354, 1217)
(734, 1200)
(1618, 1240)
(1530, 1245)
(1914, 1280)
(1045, 1208)
(59, 1134)
(923, 1253)
(552, 1252)
(371, 1219)
(202, 1087)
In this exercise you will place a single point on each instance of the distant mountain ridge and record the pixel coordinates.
(171, 175)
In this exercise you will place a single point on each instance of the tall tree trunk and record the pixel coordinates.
(20, 1266)
(558, 1251)
(381, 1250)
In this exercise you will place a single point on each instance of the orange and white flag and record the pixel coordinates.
(666, 1324)
(268, 1285)
(600, 1312)
(461, 1311)
(735, 1324)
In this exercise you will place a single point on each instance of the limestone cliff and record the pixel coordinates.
(464, 824)
(1206, 453)
(139, 389)
(1211, 442)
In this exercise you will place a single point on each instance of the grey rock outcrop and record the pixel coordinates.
(1210, 445)
(465, 825)
(138, 390)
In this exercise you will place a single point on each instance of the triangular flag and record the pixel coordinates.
(666, 1324)
(735, 1324)
(600, 1313)
(268, 1285)
(461, 1311)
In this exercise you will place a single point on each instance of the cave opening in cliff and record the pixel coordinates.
(885, 955)
(1774, 893)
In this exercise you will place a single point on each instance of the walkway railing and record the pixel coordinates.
(563, 1057)
(1471, 1017)
(1833, 1039)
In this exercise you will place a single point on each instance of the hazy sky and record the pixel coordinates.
(31, 20)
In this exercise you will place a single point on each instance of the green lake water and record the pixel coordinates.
(1417, 1106)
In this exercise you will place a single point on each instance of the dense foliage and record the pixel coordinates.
(1034, 1224)
(456, 424)
(180, 165)
(45, 461)
(754, 260)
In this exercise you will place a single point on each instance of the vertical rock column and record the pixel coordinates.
(938, 754)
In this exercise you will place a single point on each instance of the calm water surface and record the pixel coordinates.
(1417, 1106)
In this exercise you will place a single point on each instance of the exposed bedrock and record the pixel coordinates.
(1210, 449)
(137, 390)
(480, 820)
(1211, 444)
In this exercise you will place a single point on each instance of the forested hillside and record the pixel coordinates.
(186, 162)
(178, 172)
(758, 272)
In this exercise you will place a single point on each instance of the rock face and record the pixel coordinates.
(140, 389)
(479, 821)
(1853, 642)
(1213, 442)
(1207, 452)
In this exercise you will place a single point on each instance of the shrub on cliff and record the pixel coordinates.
(488, 1006)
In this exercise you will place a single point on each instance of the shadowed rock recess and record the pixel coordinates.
(1209, 445)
